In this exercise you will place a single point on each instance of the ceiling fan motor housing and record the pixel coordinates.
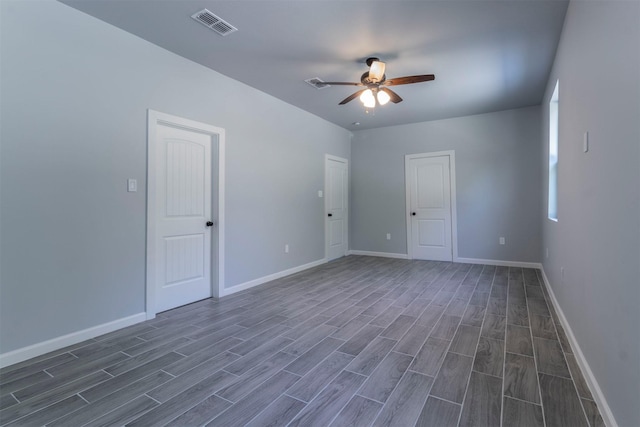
(367, 82)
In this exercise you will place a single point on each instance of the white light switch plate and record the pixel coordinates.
(132, 185)
(319, 193)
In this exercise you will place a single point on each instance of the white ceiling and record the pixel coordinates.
(486, 55)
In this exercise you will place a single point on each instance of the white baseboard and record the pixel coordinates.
(498, 262)
(596, 391)
(44, 347)
(457, 259)
(378, 254)
(270, 277)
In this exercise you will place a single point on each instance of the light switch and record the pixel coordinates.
(132, 185)
(319, 193)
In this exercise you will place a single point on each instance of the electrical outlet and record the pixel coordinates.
(286, 248)
(388, 236)
(502, 240)
(132, 185)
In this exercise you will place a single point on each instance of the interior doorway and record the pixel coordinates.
(430, 211)
(185, 212)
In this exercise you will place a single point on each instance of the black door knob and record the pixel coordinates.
(209, 223)
(413, 213)
(330, 214)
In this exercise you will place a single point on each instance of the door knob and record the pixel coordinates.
(413, 213)
(330, 214)
(209, 223)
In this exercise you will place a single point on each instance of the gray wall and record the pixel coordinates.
(498, 183)
(75, 94)
(597, 236)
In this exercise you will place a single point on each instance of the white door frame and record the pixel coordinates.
(454, 218)
(155, 118)
(326, 205)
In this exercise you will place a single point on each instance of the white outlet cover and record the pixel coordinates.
(320, 193)
(132, 185)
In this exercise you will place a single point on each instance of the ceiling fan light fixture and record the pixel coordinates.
(383, 97)
(376, 71)
(368, 99)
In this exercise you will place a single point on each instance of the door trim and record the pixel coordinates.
(452, 181)
(155, 118)
(325, 208)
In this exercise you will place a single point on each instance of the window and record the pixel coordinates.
(553, 155)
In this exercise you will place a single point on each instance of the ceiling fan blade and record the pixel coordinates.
(339, 84)
(395, 98)
(351, 97)
(408, 80)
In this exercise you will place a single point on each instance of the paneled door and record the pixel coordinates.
(429, 208)
(183, 217)
(336, 207)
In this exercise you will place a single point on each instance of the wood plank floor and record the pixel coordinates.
(360, 341)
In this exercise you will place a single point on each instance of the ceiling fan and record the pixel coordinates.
(376, 85)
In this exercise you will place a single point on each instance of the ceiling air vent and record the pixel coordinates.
(317, 83)
(214, 22)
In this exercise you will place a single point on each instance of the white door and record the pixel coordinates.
(183, 215)
(336, 187)
(429, 207)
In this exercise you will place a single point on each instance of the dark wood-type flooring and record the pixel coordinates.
(360, 341)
